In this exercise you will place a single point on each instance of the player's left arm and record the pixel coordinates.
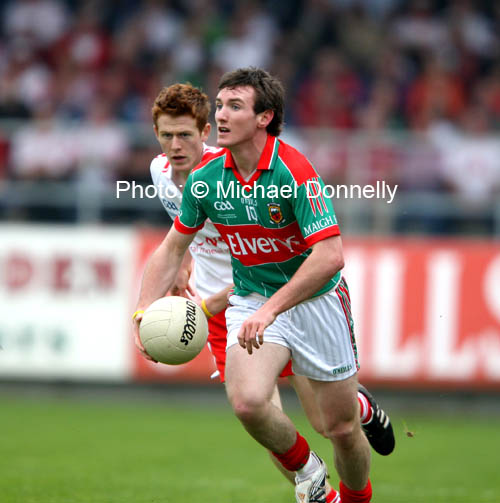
(214, 304)
(325, 260)
(218, 301)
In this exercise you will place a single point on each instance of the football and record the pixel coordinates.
(173, 330)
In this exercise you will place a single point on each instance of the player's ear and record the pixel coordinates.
(264, 118)
(155, 129)
(205, 132)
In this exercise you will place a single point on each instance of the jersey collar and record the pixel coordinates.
(266, 161)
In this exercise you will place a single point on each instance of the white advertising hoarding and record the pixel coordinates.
(65, 294)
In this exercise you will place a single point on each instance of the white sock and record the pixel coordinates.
(309, 468)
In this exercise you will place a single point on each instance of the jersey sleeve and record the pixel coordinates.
(314, 210)
(154, 169)
(191, 217)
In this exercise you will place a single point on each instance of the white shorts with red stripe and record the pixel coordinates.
(319, 332)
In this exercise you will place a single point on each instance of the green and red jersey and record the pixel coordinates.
(269, 222)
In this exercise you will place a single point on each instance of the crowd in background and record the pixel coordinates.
(76, 75)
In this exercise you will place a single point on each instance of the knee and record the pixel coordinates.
(343, 434)
(248, 407)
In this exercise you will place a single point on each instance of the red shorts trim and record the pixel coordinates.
(217, 338)
(287, 371)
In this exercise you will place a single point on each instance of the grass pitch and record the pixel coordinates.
(66, 451)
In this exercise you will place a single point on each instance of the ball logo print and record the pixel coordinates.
(223, 205)
(190, 326)
(173, 330)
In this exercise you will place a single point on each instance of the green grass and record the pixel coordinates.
(77, 452)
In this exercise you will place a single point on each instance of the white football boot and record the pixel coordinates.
(312, 490)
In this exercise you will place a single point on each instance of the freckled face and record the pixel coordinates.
(181, 140)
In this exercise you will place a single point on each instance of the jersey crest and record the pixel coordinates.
(275, 213)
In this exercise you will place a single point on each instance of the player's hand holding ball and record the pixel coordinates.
(172, 330)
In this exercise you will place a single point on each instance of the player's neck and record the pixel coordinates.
(180, 178)
(246, 155)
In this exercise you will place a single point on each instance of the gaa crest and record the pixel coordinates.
(275, 212)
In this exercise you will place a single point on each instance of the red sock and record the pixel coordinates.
(350, 496)
(332, 496)
(296, 457)
(365, 409)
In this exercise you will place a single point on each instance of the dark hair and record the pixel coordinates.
(269, 93)
(182, 99)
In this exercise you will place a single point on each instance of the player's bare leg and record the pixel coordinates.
(307, 400)
(290, 476)
(376, 426)
(250, 384)
(340, 414)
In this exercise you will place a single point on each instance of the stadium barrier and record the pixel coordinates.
(426, 312)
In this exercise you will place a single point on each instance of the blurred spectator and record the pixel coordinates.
(188, 56)
(436, 94)
(470, 170)
(249, 41)
(420, 163)
(11, 104)
(487, 93)
(328, 152)
(315, 28)
(43, 148)
(361, 37)
(160, 25)
(348, 66)
(39, 22)
(471, 163)
(418, 28)
(381, 111)
(329, 94)
(27, 79)
(419, 174)
(74, 89)
(473, 30)
(333, 52)
(86, 45)
(378, 9)
(103, 145)
(4, 155)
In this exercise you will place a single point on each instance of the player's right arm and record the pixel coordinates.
(164, 264)
(159, 275)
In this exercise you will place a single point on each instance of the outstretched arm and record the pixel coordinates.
(159, 275)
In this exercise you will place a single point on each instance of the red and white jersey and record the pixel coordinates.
(212, 261)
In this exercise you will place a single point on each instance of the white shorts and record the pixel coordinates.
(319, 332)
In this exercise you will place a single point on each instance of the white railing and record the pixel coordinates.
(414, 164)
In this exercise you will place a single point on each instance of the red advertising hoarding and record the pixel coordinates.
(426, 313)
